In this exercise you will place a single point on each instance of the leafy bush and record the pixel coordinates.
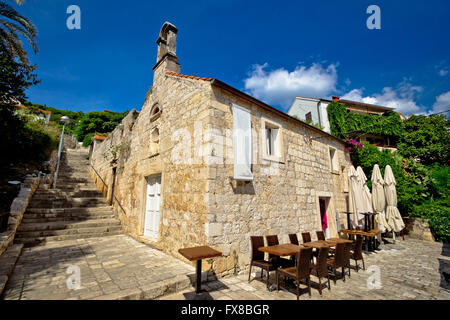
(87, 141)
(426, 139)
(97, 122)
(24, 141)
(437, 213)
(343, 121)
(413, 179)
(57, 114)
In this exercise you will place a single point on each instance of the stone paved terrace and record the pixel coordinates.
(118, 267)
(409, 270)
(113, 267)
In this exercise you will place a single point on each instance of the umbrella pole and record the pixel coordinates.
(393, 235)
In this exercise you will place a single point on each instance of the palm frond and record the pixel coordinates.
(12, 28)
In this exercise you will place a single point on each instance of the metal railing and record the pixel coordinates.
(105, 185)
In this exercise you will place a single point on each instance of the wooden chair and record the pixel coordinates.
(277, 261)
(357, 254)
(293, 238)
(300, 272)
(338, 261)
(320, 235)
(320, 269)
(306, 237)
(257, 258)
(347, 255)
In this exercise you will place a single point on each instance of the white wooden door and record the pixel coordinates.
(152, 207)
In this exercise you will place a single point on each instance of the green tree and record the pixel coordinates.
(426, 139)
(15, 78)
(13, 25)
(97, 122)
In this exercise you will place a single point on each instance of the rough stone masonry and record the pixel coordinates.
(198, 201)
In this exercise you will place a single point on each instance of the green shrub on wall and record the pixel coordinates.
(24, 140)
(343, 121)
(437, 213)
(422, 191)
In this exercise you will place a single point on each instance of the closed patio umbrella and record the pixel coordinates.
(393, 217)
(378, 199)
(356, 201)
(367, 197)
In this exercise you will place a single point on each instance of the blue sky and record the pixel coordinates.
(273, 50)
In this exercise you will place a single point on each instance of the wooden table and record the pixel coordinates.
(282, 250)
(317, 244)
(334, 241)
(197, 254)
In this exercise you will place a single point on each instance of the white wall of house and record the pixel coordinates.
(317, 107)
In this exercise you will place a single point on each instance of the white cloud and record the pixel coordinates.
(280, 86)
(443, 72)
(401, 98)
(442, 103)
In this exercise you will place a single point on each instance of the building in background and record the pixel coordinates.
(314, 111)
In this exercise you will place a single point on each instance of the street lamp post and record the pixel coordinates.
(65, 120)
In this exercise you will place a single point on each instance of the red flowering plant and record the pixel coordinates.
(353, 145)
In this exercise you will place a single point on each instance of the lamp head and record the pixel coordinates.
(65, 120)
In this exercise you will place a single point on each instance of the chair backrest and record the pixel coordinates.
(304, 262)
(320, 235)
(272, 240)
(347, 253)
(293, 238)
(357, 250)
(339, 256)
(322, 268)
(306, 237)
(257, 242)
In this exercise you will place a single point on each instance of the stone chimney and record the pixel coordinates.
(167, 59)
(335, 98)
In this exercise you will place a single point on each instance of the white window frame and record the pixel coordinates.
(277, 151)
(334, 163)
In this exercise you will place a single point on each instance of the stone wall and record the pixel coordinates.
(182, 103)
(18, 208)
(416, 228)
(280, 202)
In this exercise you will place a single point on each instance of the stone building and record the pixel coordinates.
(204, 163)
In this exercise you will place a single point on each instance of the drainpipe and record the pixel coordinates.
(318, 113)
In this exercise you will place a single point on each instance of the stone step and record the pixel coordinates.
(64, 225)
(36, 241)
(77, 217)
(69, 194)
(93, 210)
(81, 232)
(64, 180)
(8, 261)
(68, 203)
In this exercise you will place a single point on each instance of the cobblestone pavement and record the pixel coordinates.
(408, 269)
(113, 267)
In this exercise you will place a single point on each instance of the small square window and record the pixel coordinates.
(333, 159)
(271, 140)
(308, 116)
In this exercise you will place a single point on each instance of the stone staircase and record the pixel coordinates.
(74, 210)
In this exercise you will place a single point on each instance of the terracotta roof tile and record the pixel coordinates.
(170, 73)
(100, 138)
